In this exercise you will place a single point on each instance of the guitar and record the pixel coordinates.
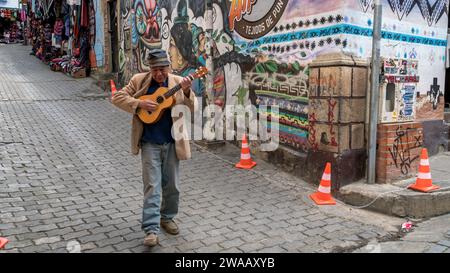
(164, 97)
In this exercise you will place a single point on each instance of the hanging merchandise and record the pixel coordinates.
(84, 14)
(58, 31)
(23, 14)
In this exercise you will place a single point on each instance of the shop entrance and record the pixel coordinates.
(447, 77)
(113, 19)
(447, 89)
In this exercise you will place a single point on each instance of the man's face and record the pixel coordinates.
(160, 74)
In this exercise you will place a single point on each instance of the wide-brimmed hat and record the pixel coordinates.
(158, 58)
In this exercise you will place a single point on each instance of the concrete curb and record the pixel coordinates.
(396, 200)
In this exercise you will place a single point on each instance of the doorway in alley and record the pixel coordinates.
(447, 87)
(447, 76)
(113, 28)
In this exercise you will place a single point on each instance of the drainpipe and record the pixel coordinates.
(374, 92)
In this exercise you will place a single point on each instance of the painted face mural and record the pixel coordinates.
(147, 25)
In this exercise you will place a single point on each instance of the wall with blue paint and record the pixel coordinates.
(412, 30)
(99, 33)
(268, 62)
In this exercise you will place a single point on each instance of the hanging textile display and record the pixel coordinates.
(62, 34)
(84, 14)
(46, 6)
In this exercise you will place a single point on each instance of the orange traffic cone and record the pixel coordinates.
(323, 195)
(3, 242)
(424, 183)
(246, 159)
(113, 88)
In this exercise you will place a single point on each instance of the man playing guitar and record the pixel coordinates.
(160, 152)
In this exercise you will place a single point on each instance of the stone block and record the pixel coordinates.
(359, 83)
(353, 110)
(326, 137)
(335, 81)
(325, 110)
(330, 82)
(358, 136)
(313, 82)
(344, 137)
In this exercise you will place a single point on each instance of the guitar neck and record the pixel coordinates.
(177, 88)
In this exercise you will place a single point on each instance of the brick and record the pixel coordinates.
(209, 249)
(75, 235)
(47, 240)
(232, 243)
(92, 238)
(107, 249)
(43, 228)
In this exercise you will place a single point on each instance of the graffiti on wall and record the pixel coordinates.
(323, 110)
(260, 50)
(414, 30)
(401, 152)
(431, 106)
(286, 86)
(178, 27)
(283, 39)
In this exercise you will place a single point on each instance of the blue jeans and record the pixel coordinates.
(160, 173)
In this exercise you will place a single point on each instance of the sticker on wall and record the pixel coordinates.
(408, 92)
(264, 16)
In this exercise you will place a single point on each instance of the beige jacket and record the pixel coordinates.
(127, 99)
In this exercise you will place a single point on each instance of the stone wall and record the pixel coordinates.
(338, 85)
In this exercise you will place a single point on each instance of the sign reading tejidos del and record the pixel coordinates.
(265, 21)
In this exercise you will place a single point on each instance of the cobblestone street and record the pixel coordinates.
(68, 182)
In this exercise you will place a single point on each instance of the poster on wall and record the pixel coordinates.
(10, 4)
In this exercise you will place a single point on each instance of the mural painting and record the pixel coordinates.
(178, 27)
(414, 30)
(261, 51)
(283, 39)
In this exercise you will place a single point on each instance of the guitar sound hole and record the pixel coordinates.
(160, 100)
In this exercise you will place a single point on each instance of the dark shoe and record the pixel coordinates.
(151, 240)
(170, 227)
